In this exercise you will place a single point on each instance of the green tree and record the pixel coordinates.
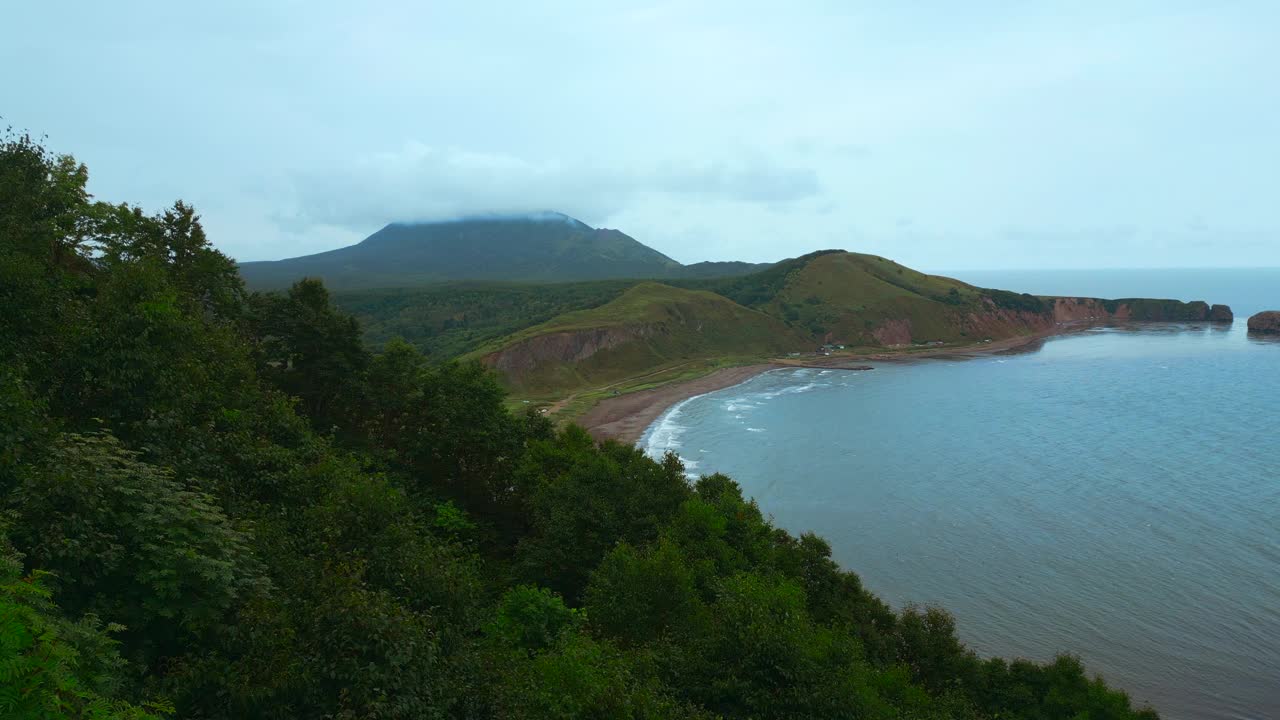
(51, 668)
(584, 499)
(130, 543)
(585, 678)
(427, 569)
(639, 597)
(175, 241)
(309, 349)
(764, 657)
(927, 644)
(533, 618)
(837, 597)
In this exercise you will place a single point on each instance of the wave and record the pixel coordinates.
(664, 435)
(792, 390)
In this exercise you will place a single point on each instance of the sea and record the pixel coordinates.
(1112, 493)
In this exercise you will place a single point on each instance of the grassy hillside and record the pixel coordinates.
(649, 327)
(848, 297)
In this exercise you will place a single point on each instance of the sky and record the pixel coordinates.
(944, 135)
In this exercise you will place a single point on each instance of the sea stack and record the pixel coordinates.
(1266, 322)
(1221, 313)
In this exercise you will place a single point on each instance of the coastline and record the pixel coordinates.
(626, 417)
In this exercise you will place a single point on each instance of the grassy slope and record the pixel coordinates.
(682, 329)
(848, 295)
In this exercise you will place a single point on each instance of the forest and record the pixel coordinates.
(222, 504)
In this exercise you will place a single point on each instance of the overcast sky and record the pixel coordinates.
(946, 135)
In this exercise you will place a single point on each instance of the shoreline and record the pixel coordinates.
(625, 418)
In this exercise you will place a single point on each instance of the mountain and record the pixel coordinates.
(542, 247)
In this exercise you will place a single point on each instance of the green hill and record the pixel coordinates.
(649, 327)
(540, 248)
(865, 300)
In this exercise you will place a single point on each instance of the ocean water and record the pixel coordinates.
(1113, 493)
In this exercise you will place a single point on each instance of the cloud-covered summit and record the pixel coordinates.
(423, 183)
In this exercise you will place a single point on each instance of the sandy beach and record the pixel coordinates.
(625, 418)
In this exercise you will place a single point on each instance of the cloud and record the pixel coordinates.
(703, 130)
(420, 182)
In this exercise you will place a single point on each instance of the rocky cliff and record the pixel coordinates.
(989, 319)
(1166, 310)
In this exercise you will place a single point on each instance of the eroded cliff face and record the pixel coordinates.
(991, 320)
(561, 347)
(1086, 309)
(893, 332)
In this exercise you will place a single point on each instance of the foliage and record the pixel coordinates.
(307, 348)
(1017, 301)
(447, 321)
(51, 667)
(585, 499)
(532, 618)
(127, 541)
(586, 678)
